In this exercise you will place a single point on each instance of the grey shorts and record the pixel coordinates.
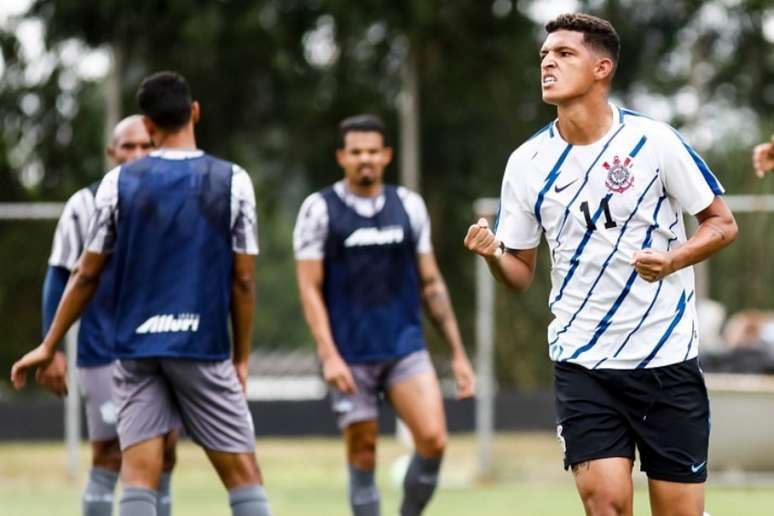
(372, 381)
(155, 395)
(96, 385)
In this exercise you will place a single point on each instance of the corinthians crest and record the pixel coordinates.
(619, 177)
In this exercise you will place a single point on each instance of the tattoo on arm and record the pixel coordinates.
(716, 230)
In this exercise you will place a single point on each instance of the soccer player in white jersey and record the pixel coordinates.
(607, 188)
(365, 264)
(763, 158)
(128, 142)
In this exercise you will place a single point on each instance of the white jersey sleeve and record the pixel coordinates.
(516, 226)
(102, 231)
(420, 220)
(72, 229)
(311, 229)
(244, 224)
(686, 176)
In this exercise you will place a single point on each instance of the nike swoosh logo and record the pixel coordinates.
(558, 188)
(697, 467)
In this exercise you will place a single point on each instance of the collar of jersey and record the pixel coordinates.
(166, 153)
(613, 127)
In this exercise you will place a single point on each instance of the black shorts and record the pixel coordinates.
(663, 411)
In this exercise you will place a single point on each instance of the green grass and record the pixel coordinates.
(307, 477)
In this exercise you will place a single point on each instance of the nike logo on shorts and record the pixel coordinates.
(558, 188)
(697, 467)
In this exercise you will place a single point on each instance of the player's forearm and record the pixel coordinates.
(713, 234)
(77, 294)
(242, 316)
(53, 289)
(439, 308)
(316, 315)
(510, 270)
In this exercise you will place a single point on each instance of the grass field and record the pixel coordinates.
(307, 477)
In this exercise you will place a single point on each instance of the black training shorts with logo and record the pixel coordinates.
(662, 411)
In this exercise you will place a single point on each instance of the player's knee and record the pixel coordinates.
(432, 444)
(107, 455)
(604, 502)
(170, 457)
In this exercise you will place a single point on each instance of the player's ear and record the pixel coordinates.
(387, 153)
(153, 131)
(604, 68)
(195, 111)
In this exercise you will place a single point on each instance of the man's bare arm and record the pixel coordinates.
(243, 299)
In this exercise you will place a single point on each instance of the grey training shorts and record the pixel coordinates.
(96, 385)
(155, 395)
(372, 381)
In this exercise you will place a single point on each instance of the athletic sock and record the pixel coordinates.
(363, 493)
(249, 501)
(164, 502)
(138, 501)
(419, 484)
(97, 497)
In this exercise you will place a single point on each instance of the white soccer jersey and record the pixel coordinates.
(597, 205)
(312, 224)
(72, 229)
(244, 225)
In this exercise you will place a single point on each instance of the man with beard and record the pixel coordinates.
(364, 262)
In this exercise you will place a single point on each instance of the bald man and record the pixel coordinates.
(129, 141)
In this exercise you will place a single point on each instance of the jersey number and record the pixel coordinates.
(609, 222)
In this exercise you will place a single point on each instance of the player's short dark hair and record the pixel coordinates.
(165, 98)
(599, 34)
(365, 123)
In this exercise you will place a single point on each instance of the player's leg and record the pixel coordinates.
(360, 439)
(146, 413)
(96, 387)
(214, 409)
(596, 438)
(675, 498)
(164, 505)
(674, 438)
(416, 396)
(605, 486)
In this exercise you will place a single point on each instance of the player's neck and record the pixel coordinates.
(363, 191)
(584, 122)
(183, 139)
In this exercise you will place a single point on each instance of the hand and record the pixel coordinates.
(763, 158)
(241, 370)
(464, 375)
(481, 240)
(39, 356)
(652, 265)
(54, 376)
(336, 373)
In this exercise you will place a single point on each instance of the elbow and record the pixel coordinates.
(733, 230)
(243, 284)
(85, 278)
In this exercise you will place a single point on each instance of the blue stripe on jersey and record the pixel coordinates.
(709, 177)
(551, 129)
(639, 324)
(605, 264)
(585, 180)
(542, 130)
(608, 318)
(550, 181)
(497, 216)
(637, 147)
(629, 112)
(679, 311)
(673, 224)
(575, 260)
(690, 341)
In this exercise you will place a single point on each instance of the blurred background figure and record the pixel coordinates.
(763, 158)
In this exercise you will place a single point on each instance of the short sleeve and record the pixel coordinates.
(419, 218)
(311, 229)
(244, 222)
(516, 225)
(72, 229)
(102, 232)
(686, 176)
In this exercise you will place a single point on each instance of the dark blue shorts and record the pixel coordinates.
(663, 412)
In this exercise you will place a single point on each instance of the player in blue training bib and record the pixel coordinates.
(607, 187)
(365, 263)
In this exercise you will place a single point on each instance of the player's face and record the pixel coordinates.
(130, 143)
(364, 158)
(567, 67)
